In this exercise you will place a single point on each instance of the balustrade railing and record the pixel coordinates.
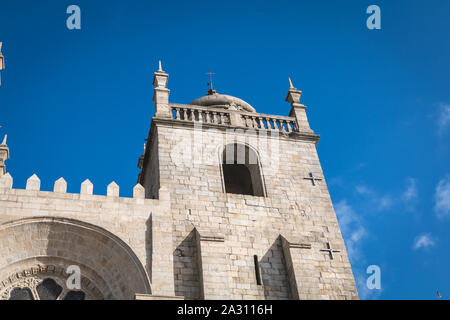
(239, 119)
(269, 123)
(196, 114)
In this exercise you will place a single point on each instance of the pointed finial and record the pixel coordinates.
(160, 77)
(294, 94)
(4, 139)
(291, 86)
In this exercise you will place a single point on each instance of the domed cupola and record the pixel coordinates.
(217, 100)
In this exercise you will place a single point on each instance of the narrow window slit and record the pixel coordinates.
(257, 270)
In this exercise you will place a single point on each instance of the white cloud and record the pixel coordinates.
(358, 234)
(385, 202)
(345, 214)
(411, 194)
(423, 241)
(381, 202)
(443, 120)
(352, 229)
(364, 190)
(411, 190)
(442, 198)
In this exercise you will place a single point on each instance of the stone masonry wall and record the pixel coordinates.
(91, 230)
(294, 210)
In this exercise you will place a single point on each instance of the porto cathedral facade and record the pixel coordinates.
(229, 204)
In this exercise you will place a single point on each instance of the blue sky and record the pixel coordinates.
(77, 104)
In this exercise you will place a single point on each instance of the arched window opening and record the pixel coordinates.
(49, 290)
(241, 172)
(21, 294)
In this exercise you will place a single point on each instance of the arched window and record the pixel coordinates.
(241, 170)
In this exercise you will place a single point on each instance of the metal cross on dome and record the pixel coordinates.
(210, 84)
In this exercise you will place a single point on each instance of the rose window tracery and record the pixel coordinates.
(42, 283)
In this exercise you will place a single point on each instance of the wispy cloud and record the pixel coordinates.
(442, 198)
(352, 229)
(423, 241)
(443, 118)
(381, 202)
(411, 190)
(411, 194)
(364, 190)
(385, 202)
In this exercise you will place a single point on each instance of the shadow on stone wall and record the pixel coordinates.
(151, 171)
(186, 273)
(274, 274)
(149, 247)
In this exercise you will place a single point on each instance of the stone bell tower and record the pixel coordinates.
(251, 215)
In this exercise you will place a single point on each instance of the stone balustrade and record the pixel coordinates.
(217, 116)
(200, 114)
(269, 122)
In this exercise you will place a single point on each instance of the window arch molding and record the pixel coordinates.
(46, 282)
(256, 173)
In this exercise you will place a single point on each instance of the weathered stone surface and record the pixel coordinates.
(6, 181)
(60, 186)
(126, 219)
(33, 183)
(112, 190)
(138, 191)
(87, 187)
(251, 229)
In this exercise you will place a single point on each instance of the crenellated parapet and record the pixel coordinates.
(143, 224)
(60, 187)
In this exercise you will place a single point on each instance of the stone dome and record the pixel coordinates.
(217, 100)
